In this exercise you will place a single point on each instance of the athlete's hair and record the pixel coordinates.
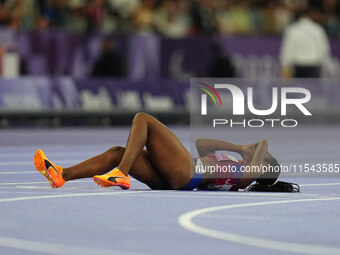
(270, 177)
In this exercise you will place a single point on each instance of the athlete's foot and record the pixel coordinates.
(113, 178)
(53, 173)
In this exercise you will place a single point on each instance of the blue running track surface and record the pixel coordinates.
(83, 218)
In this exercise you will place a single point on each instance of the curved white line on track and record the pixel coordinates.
(186, 221)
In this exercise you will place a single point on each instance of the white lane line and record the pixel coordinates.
(19, 192)
(208, 195)
(31, 162)
(56, 249)
(174, 194)
(55, 146)
(14, 199)
(182, 193)
(19, 172)
(53, 153)
(45, 182)
(320, 184)
(186, 221)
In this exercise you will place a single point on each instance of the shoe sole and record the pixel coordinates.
(107, 183)
(39, 164)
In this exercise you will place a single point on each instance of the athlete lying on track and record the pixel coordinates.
(167, 164)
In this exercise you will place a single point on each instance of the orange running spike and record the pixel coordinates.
(113, 178)
(53, 173)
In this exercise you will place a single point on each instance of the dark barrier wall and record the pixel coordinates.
(63, 100)
(149, 57)
(66, 94)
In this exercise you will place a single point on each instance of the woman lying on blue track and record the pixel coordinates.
(167, 164)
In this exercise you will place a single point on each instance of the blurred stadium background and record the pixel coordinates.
(98, 62)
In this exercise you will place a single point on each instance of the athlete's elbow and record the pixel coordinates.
(199, 142)
(202, 142)
(200, 145)
(264, 141)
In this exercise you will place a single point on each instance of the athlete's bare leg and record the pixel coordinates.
(165, 162)
(166, 153)
(105, 162)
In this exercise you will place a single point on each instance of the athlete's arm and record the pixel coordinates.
(209, 146)
(256, 162)
(260, 153)
(249, 151)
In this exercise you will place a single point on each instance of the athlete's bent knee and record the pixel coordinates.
(141, 116)
(115, 150)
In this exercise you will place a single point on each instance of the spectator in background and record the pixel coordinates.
(4, 14)
(75, 15)
(269, 19)
(109, 64)
(29, 13)
(16, 13)
(305, 47)
(332, 22)
(240, 17)
(94, 11)
(54, 13)
(11, 13)
(77, 21)
(172, 18)
(223, 20)
(283, 16)
(61, 13)
(221, 65)
(204, 17)
(143, 21)
(257, 17)
(124, 10)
